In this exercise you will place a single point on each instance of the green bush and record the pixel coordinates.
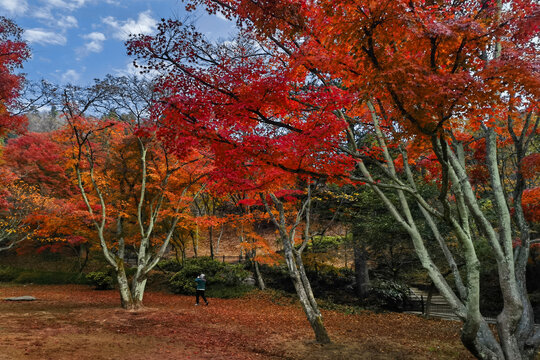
(277, 277)
(170, 265)
(327, 276)
(325, 243)
(326, 281)
(8, 274)
(389, 294)
(101, 280)
(22, 276)
(217, 273)
(182, 283)
(228, 292)
(48, 278)
(130, 271)
(230, 275)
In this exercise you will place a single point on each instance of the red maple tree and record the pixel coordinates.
(13, 52)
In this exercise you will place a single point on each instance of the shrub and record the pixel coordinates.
(22, 276)
(217, 273)
(325, 243)
(130, 271)
(389, 294)
(170, 265)
(326, 281)
(231, 275)
(8, 274)
(182, 283)
(327, 276)
(228, 292)
(49, 277)
(101, 280)
(277, 277)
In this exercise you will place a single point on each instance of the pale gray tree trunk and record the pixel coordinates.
(260, 280)
(219, 238)
(293, 259)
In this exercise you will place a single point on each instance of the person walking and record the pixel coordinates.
(201, 288)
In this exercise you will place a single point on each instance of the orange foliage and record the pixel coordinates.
(531, 204)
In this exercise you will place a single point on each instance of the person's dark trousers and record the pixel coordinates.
(201, 293)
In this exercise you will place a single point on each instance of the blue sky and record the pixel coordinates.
(75, 41)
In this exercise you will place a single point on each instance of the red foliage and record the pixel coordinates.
(38, 160)
(531, 204)
(250, 202)
(13, 52)
(530, 166)
(266, 114)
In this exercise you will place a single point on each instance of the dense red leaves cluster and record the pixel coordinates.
(530, 166)
(245, 110)
(38, 160)
(13, 194)
(280, 97)
(531, 204)
(422, 57)
(13, 52)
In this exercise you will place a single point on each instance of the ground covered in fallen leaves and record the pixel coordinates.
(76, 322)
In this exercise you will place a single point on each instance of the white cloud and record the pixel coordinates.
(145, 24)
(14, 6)
(221, 16)
(65, 4)
(54, 10)
(44, 37)
(67, 22)
(70, 76)
(95, 36)
(95, 44)
(131, 70)
(42, 13)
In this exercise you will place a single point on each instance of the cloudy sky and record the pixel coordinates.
(75, 41)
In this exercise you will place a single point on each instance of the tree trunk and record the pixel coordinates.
(260, 279)
(308, 305)
(82, 263)
(211, 241)
(219, 238)
(361, 269)
(126, 299)
(293, 259)
(137, 291)
(195, 239)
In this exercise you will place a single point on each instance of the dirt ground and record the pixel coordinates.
(76, 322)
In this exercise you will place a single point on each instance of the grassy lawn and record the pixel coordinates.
(76, 322)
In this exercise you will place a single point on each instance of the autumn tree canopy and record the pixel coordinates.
(13, 52)
(431, 82)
